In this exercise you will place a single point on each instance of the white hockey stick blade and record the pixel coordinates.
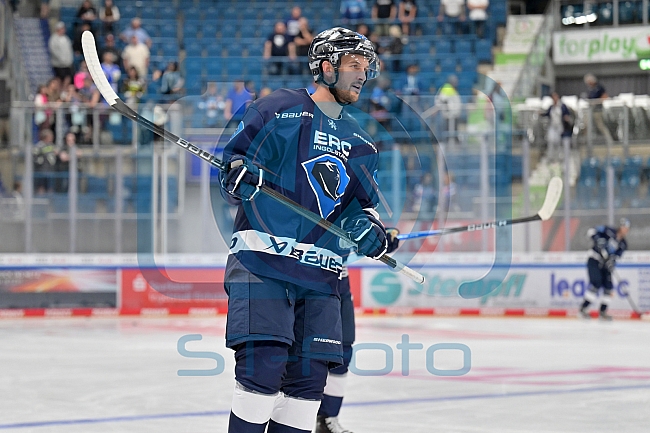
(553, 194)
(95, 68)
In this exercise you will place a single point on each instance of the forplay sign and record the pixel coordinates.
(600, 46)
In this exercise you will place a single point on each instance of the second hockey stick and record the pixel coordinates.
(553, 194)
(104, 87)
(627, 296)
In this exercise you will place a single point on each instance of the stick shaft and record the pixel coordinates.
(467, 228)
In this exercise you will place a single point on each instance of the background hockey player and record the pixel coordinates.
(609, 246)
(282, 275)
(330, 407)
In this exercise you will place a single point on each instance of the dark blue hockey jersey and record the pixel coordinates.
(606, 245)
(326, 165)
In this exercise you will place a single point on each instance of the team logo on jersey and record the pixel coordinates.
(328, 179)
(331, 123)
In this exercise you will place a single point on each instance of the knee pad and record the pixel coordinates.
(260, 365)
(305, 379)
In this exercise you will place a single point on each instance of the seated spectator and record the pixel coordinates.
(136, 54)
(212, 105)
(133, 87)
(76, 43)
(293, 22)
(80, 75)
(353, 10)
(386, 12)
(452, 13)
(236, 101)
(171, 82)
(43, 115)
(363, 30)
(109, 47)
(448, 194)
(406, 14)
(109, 15)
(136, 30)
(87, 12)
(266, 91)
(54, 90)
(380, 102)
(44, 162)
(61, 54)
(303, 41)
(392, 48)
(111, 70)
(425, 196)
(478, 15)
(279, 44)
(63, 162)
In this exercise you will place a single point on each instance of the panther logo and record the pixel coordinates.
(328, 177)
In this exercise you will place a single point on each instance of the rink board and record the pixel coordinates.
(540, 284)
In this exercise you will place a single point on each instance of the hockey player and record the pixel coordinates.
(330, 406)
(609, 246)
(284, 320)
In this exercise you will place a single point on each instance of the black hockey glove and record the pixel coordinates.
(369, 235)
(393, 242)
(243, 179)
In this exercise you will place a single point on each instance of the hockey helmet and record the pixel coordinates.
(624, 222)
(333, 44)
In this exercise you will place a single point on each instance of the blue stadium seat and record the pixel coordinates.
(589, 171)
(208, 30)
(463, 47)
(468, 63)
(193, 48)
(443, 47)
(192, 13)
(484, 50)
(148, 13)
(447, 65)
(193, 67)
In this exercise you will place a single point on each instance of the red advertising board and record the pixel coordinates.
(172, 289)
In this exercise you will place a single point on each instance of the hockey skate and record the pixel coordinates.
(584, 314)
(329, 425)
(604, 316)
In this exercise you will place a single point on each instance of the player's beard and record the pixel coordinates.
(346, 96)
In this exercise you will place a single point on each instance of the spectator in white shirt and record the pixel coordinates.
(61, 55)
(478, 15)
(452, 15)
(136, 54)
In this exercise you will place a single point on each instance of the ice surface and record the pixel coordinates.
(527, 375)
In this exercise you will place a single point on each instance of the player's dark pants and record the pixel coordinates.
(599, 277)
(333, 397)
(285, 337)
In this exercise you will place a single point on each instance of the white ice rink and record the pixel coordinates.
(527, 375)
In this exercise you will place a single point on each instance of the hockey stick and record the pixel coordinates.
(553, 194)
(627, 296)
(95, 69)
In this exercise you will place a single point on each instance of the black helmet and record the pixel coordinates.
(333, 44)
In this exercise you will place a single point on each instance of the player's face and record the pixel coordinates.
(352, 77)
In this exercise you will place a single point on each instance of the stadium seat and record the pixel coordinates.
(448, 65)
(463, 47)
(589, 171)
(193, 48)
(484, 50)
(193, 67)
(443, 47)
(627, 13)
(192, 13)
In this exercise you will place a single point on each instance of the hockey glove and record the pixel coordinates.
(243, 179)
(393, 242)
(610, 263)
(369, 235)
